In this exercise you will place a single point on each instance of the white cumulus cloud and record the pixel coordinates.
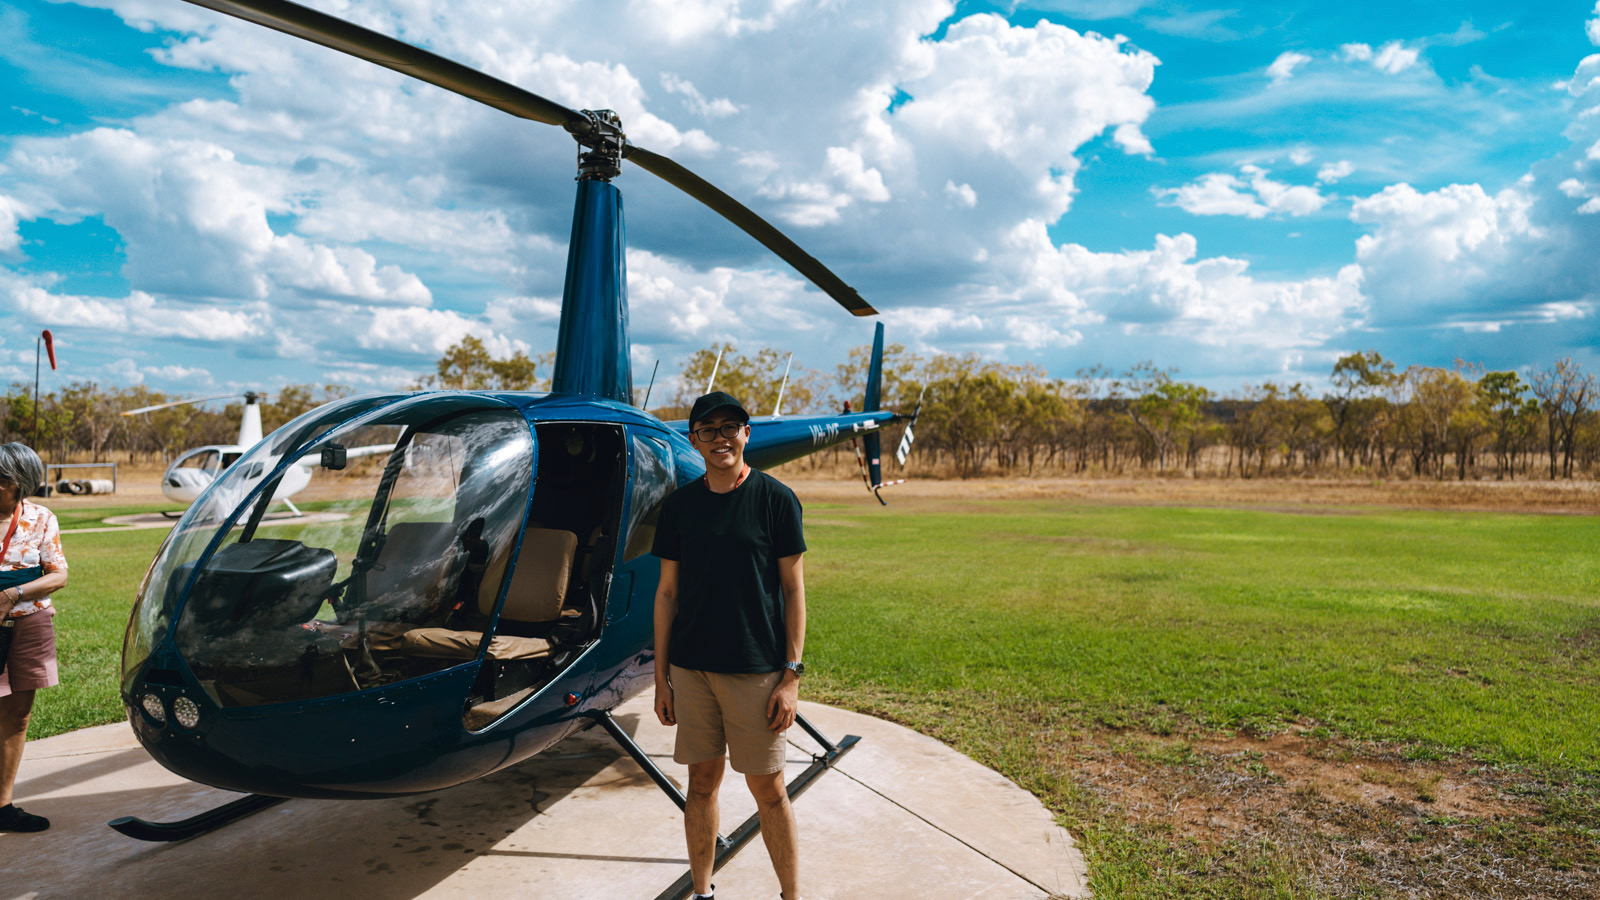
(1333, 172)
(196, 197)
(696, 101)
(430, 332)
(12, 213)
(1361, 52)
(1029, 97)
(1254, 196)
(1434, 247)
(1169, 290)
(1392, 58)
(961, 194)
(138, 314)
(1283, 67)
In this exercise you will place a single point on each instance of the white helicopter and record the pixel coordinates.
(193, 471)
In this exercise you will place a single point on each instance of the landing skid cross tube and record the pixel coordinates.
(195, 825)
(728, 846)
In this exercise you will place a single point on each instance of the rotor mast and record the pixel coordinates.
(250, 420)
(593, 356)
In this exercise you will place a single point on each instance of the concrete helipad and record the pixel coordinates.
(900, 816)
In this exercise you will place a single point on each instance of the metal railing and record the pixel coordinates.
(49, 483)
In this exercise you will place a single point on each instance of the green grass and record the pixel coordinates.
(1033, 635)
(1012, 630)
(1461, 631)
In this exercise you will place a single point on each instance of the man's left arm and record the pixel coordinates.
(785, 700)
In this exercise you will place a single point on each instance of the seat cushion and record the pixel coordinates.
(539, 583)
(413, 567)
(444, 643)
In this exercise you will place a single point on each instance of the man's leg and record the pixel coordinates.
(700, 820)
(14, 710)
(777, 829)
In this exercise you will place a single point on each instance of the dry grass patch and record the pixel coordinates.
(1353, 819)
(1287, 495)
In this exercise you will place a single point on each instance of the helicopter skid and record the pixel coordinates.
(195, 825)
(728, 846)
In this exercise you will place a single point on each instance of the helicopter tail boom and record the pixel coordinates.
(775, 441)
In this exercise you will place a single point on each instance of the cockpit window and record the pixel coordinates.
(411, 515)
(652, 482)
(168, 575)
(204, 460)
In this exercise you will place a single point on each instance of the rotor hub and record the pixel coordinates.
(601, 143)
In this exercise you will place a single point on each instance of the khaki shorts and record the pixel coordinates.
(717, 710)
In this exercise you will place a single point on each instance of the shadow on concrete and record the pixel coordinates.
(388, 848)
(95, 765)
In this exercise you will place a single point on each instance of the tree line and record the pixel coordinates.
(1374, 418)
(981, 417)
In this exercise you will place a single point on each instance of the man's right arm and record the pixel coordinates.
(666, 610)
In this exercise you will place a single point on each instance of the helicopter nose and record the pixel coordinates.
(397, 740)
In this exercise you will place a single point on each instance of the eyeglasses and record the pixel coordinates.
(709, 434)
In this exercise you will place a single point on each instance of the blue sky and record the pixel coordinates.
(1243, 193)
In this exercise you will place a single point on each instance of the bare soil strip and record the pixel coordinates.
(1277, 494)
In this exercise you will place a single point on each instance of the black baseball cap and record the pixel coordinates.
(712, 402)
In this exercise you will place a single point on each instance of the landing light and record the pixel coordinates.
(186, 712)
(152, 706)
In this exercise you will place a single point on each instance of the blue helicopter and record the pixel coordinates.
(471, 596)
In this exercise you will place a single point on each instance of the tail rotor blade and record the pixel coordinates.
(907, 438)
(753, 225)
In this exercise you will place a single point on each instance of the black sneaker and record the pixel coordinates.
(12, 818)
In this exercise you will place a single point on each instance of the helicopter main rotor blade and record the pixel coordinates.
(752, 224)
(321, 28)
(337, 34)
(145, 409)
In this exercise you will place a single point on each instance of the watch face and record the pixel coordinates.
(799, 668)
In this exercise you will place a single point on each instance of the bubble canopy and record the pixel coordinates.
(415, 507)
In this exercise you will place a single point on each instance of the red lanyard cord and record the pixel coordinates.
(16, 515)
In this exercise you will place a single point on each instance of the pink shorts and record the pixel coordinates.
(32, 663)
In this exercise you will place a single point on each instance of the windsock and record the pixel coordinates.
(50, 348)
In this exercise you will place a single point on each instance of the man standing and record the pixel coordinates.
(730, 625)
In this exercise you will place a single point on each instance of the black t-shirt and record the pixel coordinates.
(727, 546)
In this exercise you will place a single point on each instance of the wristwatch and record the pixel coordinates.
(798, 668)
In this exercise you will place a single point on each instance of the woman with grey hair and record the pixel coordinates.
(32, 568)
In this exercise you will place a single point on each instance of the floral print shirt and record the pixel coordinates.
(37, 542)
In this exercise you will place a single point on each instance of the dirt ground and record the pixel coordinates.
(1357, 818)
(141, 485)
(1575, 497)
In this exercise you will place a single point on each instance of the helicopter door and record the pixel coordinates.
(653, 480)
(561, 582)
